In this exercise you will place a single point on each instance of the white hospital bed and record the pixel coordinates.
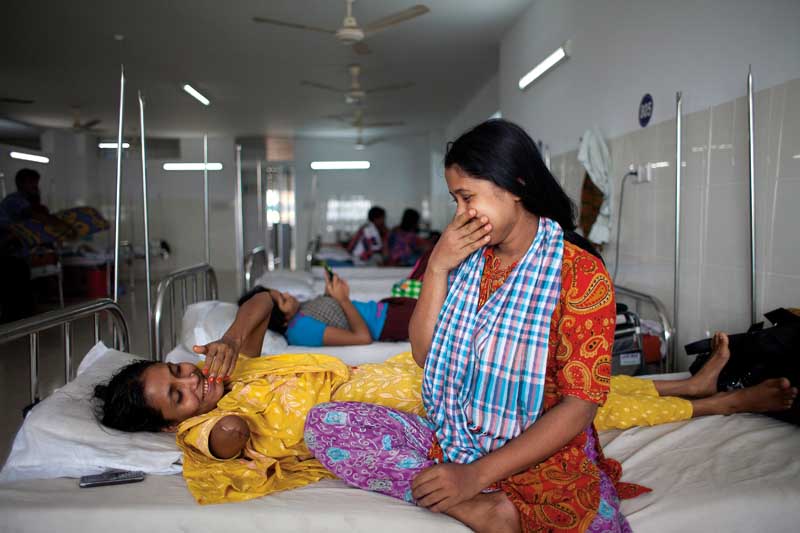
(180, 289)
(735, 474)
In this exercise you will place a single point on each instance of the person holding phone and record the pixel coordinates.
(332, 319)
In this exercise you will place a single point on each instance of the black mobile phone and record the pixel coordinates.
(111, 477)
(329, 271)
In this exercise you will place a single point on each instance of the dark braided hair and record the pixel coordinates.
(123, 405)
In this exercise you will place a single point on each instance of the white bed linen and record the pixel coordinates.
(351, 355)
(734, 474)
(365, 273)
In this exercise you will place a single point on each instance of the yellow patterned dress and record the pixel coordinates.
(273, 395)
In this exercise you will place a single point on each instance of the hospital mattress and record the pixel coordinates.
(352, 355)
(736, 474)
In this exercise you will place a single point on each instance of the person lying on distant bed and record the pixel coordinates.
(258, 415)
(329, 320)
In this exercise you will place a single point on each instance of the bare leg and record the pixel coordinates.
(491, 512)
(704, 383)
(770, 395)
(251, 347)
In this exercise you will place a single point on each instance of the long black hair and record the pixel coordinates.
(122, 404)
(410, 220)
(277, 319)
(501, 152)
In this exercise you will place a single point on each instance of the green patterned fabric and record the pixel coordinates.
(408, 288)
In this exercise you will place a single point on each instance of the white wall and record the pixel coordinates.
(480, 107)
(623, 49)
(176, 207)
(399, 177)
(78, 175)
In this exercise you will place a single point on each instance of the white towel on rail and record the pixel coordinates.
(594, 156)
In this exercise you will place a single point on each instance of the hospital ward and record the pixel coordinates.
(378, 266)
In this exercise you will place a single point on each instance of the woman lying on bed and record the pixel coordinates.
(332, 319)
(258, 415)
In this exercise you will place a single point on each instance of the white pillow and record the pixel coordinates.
(298, 284)
(205, 322)
(61, 436)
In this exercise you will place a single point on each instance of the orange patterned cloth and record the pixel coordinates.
(563, 493)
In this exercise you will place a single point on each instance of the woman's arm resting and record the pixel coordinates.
(221, 354)
(228, 437)
(443, 486)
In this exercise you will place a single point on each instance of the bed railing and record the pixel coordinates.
(201, 275)
(668, 335)
(32, 327)
(250, 266)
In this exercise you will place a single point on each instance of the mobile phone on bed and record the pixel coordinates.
(111, 477)
(329, 271)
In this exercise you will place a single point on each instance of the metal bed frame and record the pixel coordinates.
(32, 327)
(251, 271)
(668, 335)
(165, 296)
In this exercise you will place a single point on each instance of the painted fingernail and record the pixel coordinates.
(205, 371)
(219, 380)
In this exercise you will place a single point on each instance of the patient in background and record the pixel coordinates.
(26, 203)
(405, 244)
(332, 319)
(368, 245)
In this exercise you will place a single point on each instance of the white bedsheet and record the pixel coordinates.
(734, 474)
(351, 355)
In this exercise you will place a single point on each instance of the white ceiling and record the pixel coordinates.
(63, 54)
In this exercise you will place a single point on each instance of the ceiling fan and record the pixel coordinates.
(82, 126)
(357, 121)
(356, 94)
(361, 144)
(351, 33)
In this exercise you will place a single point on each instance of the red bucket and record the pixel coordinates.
(96, 285)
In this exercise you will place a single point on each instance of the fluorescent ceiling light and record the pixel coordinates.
(29, 157)
(191, 166)
(660, 164)
(551, 61)
(110, 146)
(340, 165)
(796, 156)
(199, 97)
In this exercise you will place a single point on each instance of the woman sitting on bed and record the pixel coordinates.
(259, 414)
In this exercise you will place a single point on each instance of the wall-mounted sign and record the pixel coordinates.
(645, 110)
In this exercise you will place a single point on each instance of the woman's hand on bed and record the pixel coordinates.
(221, 356)
(465, 234)
(443, 486)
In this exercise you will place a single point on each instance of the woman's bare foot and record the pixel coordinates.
(768, 396)
(491, 512)
(704, 383)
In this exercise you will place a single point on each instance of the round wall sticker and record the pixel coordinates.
(645, 110)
